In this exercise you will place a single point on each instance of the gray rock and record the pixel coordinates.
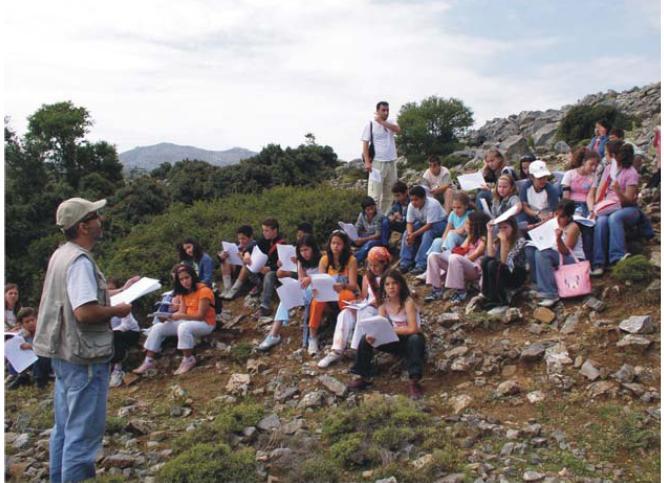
(238, 383)
(269, 423)
(453, 478)
(474, 304)
(21, 440)
(545, 135)
(636, 388)
(312, 400)
(508, 388)
(122, 460)
(634, 341)
(448, 319)
(589, 370)
(512, 314)
(497, 313)
(533, 476)
(460, 403)
(535, 397)
(284, 393)
(561, 147)
(533, 352)
(391, 479)
(293, 426)
(570, 325)
(514, 147)
(457, 352)
(594, 304)
(138, 427)
(334, 385)
(601, 388)
(625, 374)
(637, 324)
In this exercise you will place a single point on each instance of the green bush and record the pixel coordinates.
(115, 424)
(316, 470)
(347, 449)
(204, 463)
(636, 269)
(241, 352)
(579, 122)
(451, 160)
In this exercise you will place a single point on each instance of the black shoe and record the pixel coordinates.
(264, 311)
(18, 381)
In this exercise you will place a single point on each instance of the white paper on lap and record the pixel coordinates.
(377, 327)
(507, 215)
(544, 236)
(144, 286)
(286, 253)
(323, 284)
(290, 293)
(349, 229)
(258, 260)
(19, 359)
(472, 181)
(233, 253)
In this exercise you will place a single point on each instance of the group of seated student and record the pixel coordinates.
(39, 372)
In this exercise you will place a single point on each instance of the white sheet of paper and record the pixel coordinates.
(377, 327)
(19, 359)
(471, 181)
(349, 229)
(144, 286)
(258, 260)
(507, 215)
(375, 176)
(544, 236)
(233, 251)
(356, 305)
(286, 252)
(584, 221)
(323, 284)
(290, 293)
(485, 207)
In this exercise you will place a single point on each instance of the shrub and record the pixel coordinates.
(211, 463)
(241, 352)
(579, 122)
(347, 449)
(634, 269)
(115, 424)
(317, 470)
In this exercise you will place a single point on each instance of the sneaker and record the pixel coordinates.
(418, 271)
(624, 257)
(145, 367)
(415, 390)
(422, 276)
(358, 384)
(597, 272)
(269, 342)
(330, 358)
(186, 365)
(404, 269)
(548, 302)
(313, 345)
(436, 294)
(229, 294)
(117, 378)
(459, 297)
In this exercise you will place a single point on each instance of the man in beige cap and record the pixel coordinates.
(74, 330)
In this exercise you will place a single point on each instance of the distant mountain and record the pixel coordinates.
(149, 157)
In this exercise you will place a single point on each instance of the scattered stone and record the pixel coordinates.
(159, 436)
(508, 388)
(578, 362)
(457, 351)
(293, 426)
(269, 423)
(176, 392)
(533, 476)
(544, 315)
(125, 411)
(312, 400)
(561, 147)
(535, 329)
(589, 370)
(138, 427)
(462, 364)
(600, 388)
(570, 325)
(422, 461)
(334, 385)
(21, 440)
(625, 374)
(533, 352)
(474, 304)
(448, 319)
(453, 478)
(497, 313)
(391, 479)
(284, 393)
(256, 365)
(655, 286)
(637, 324)
(460, 403)
(512, 314)
(556, 357)
(508, 371)
(594, 304)
(122, 460)
(238, 383)
(512, 434)
(638, 389)
(634, 341)
(535, 397)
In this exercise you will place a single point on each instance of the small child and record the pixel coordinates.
(126, 333)
(26, 319)
(455, 231)
(371, 228)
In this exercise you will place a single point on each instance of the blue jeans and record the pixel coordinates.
(609, 239)
(282, 313)
(546, 262)
(80, 398)
(362, 253)
(419, 249)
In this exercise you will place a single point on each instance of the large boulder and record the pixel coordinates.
(545, 135)
(514, 147)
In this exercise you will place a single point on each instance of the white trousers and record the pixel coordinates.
(382, 192)
(346, 325)
(186, 330)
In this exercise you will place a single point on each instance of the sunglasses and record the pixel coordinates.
(91, 216)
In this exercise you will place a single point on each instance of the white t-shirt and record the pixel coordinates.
(434, 181)
(383, 140)
(81, 282)
(537, 201)
(431, 212)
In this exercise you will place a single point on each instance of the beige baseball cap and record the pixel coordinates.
(538, 169)
(74, 210)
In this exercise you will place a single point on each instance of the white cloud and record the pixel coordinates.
(223, 74)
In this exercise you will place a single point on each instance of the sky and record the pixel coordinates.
(247, 73)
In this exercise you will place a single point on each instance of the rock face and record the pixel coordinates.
(514, 147)
(637, 324)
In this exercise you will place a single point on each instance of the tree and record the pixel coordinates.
(578, 125)
(432, 127)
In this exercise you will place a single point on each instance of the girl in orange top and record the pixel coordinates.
(341, 264)
(194, 317)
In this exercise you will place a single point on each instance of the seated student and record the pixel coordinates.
(619, 186)
(439, 183)
(397, 214)
(190, 251)
(11, 306)
(504, 267)
(524, 163)
(539, 198)
(397, 305)
(580, 178)
(245, 244)
(568, 244)
(378, 262)
(494, 167)
(268, 245)
(599, 140)
(338, 262)
(425, 220)
(303, 229)
(26, 320)
(371, 229)
(308, 257)
(505, 196)
(455, 231)
(462, 265)
(193, 317)
(126, 333)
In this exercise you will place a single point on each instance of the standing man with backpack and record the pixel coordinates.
(379, 152)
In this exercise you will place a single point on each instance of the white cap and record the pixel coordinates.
(73, 210)
(538, 169)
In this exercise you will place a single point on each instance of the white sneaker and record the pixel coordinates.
(330, 358)
(146, 366)
(313, 345)
(597, 272)
(117, 378)
(269, 342)
(230, 293)
(547, 302)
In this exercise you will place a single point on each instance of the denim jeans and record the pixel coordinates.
(362, 253)
(419, 249)
(269, 289)
(546, 261)
(609, 243)
(81, 392)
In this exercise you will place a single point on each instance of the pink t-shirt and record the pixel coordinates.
(625, 177)
(579, 185)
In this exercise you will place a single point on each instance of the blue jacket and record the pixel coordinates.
(602, 144)
(552, 195)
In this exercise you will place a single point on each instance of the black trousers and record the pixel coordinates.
(411, 347)
(497, 278)
(122, 341)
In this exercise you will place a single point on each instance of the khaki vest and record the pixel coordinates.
(59, 335)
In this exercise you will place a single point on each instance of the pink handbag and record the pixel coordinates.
(573, 280)
(606, 207)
